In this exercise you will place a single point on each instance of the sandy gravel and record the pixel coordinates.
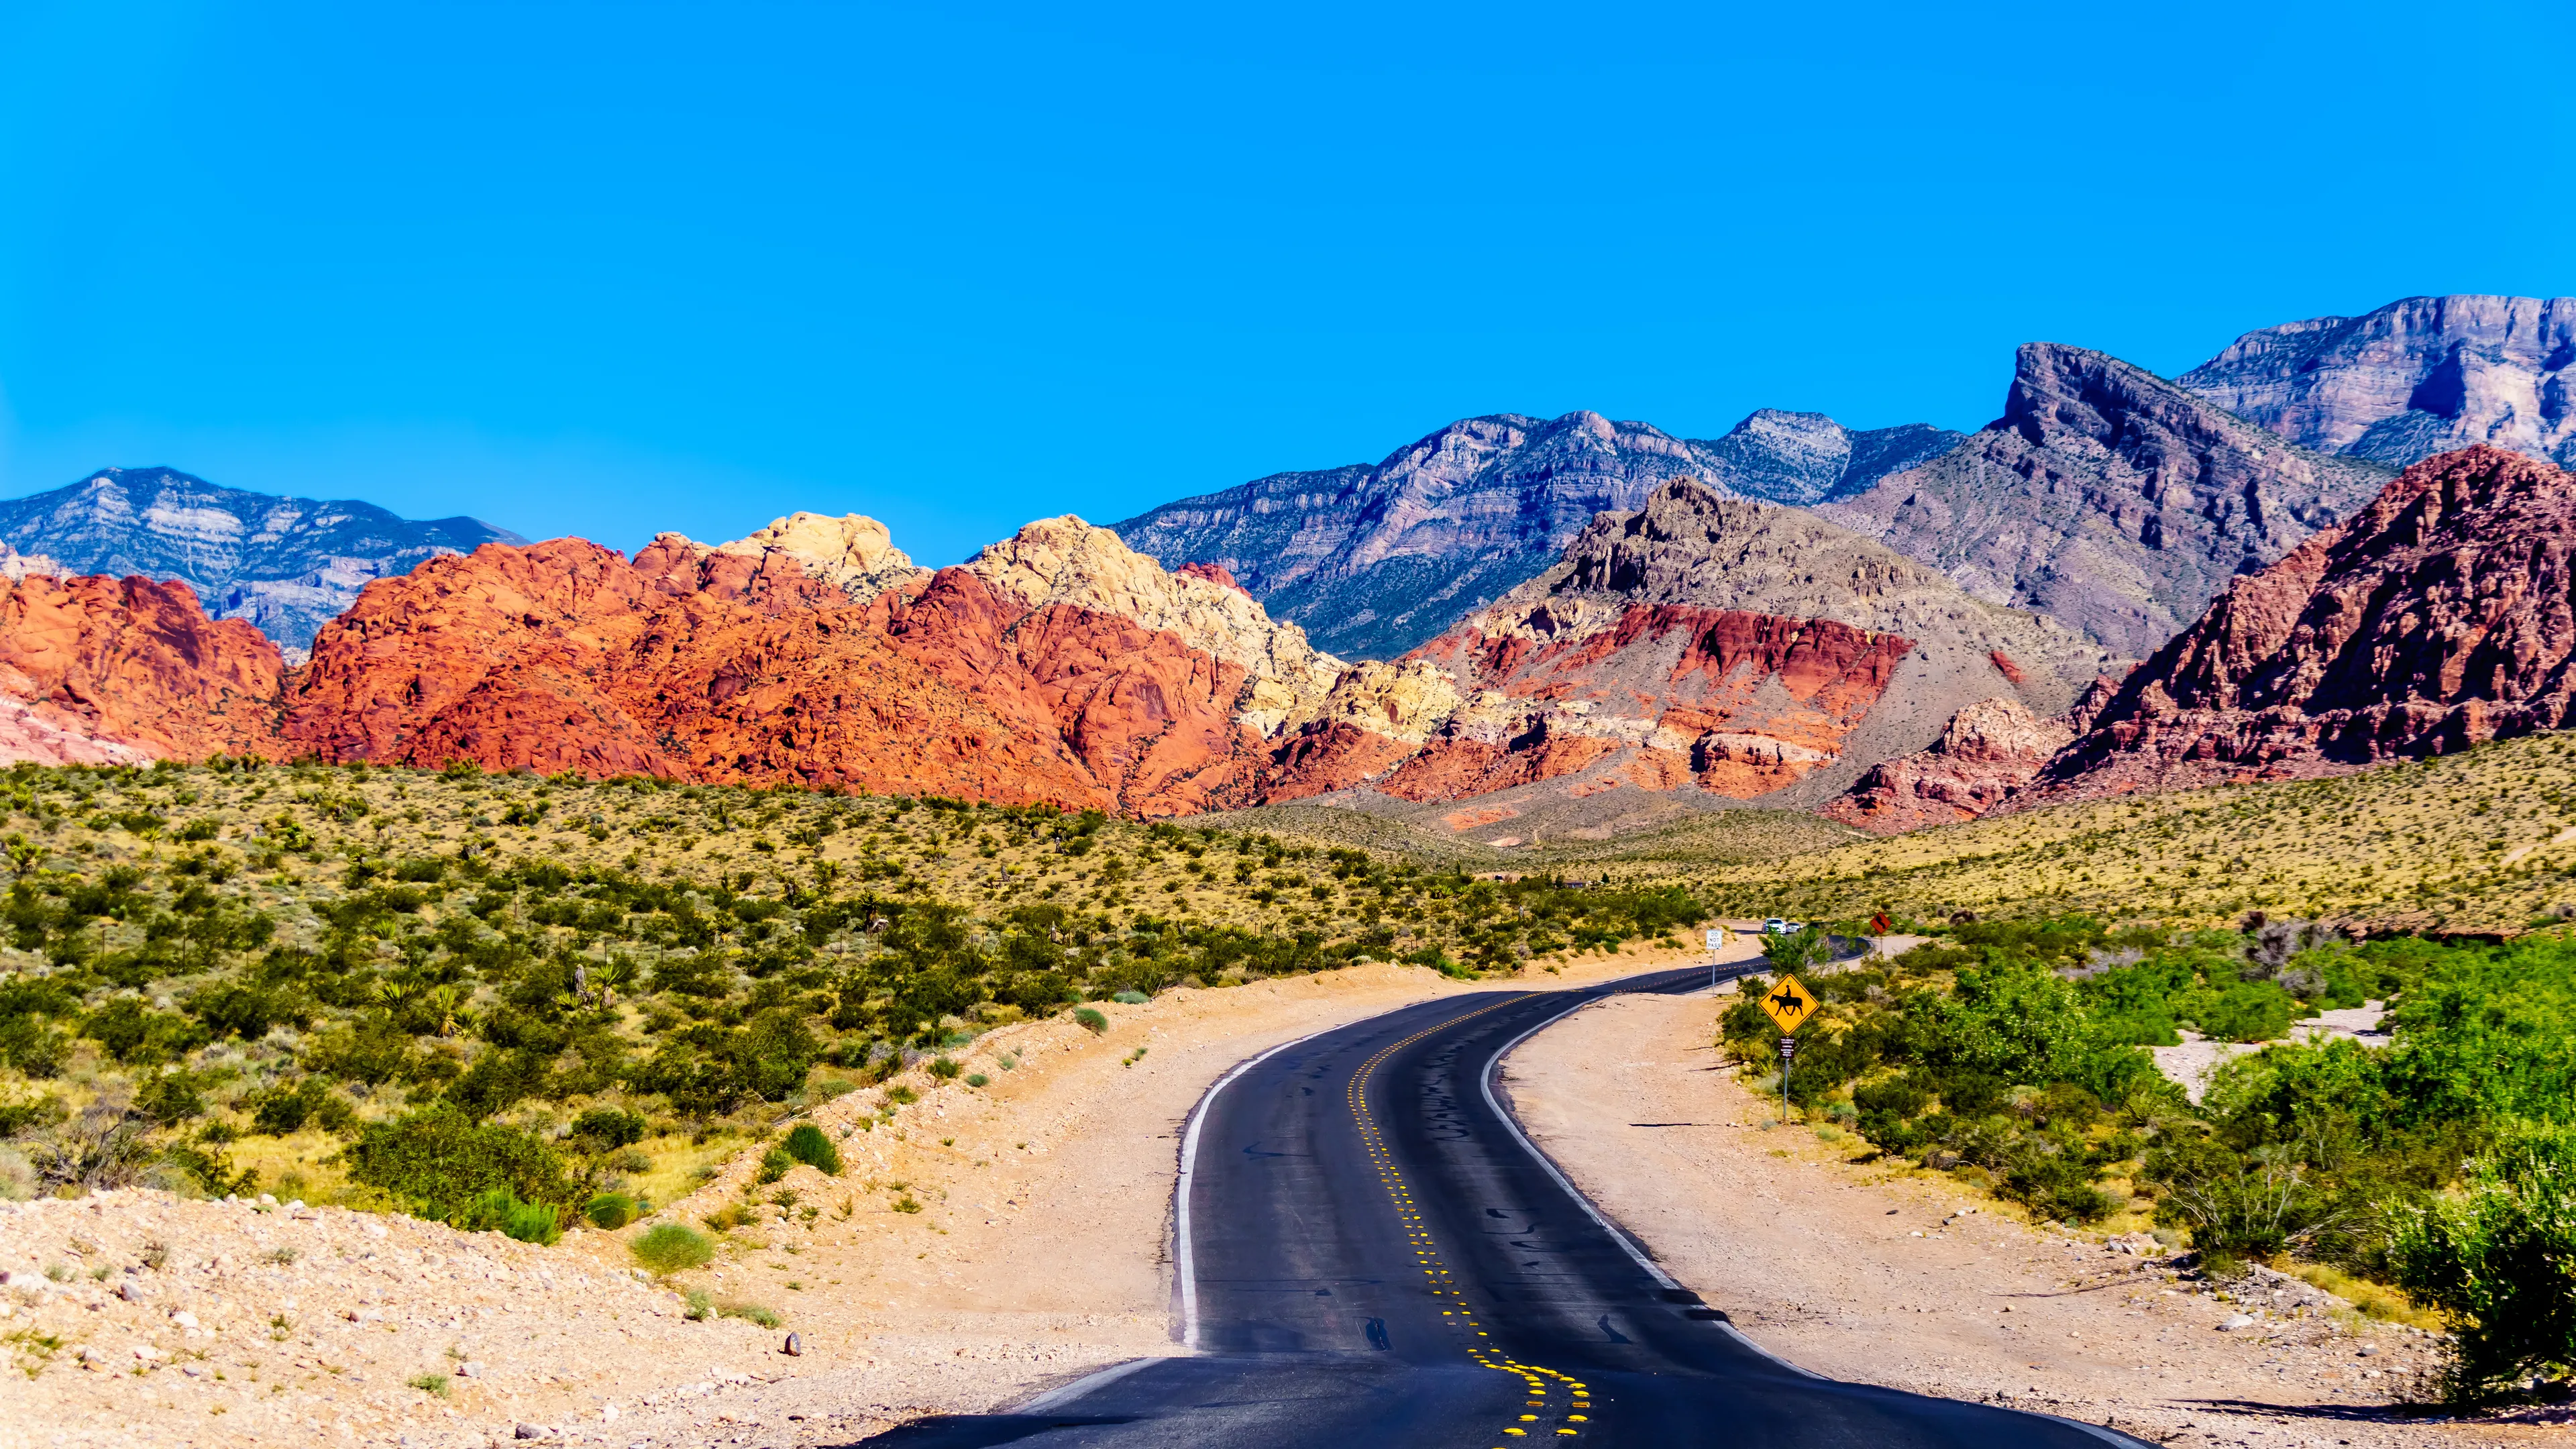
(1885, 1275)
(1040, 1252)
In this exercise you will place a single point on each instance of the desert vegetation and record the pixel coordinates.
(2482, 841)
(2011, 1054)
(510, 1002)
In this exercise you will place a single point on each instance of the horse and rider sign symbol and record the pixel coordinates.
(1788, 1003)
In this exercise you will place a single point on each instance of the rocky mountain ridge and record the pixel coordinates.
(286, 565)
(2441, 616)
(2107, 498)
(2420, 376)
(1375, 560)
(1729, 648)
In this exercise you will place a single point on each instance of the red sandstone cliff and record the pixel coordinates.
(1988, 750)
(1027, 675)
(2441, 615)
(99, 670)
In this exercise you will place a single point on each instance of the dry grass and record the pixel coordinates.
(2481, 842)
(1697, 840)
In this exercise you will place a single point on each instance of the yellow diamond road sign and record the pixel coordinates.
(1788, 1004)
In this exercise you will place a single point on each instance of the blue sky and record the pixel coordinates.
(610, 269)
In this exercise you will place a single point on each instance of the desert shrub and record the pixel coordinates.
(2240, 1010)
(135, 1034)
(610, 1210)
(808, 1144)
(774, 1164)
(902, 1095)
(2501, 1261)
(438, 1160)
(2236, 1206)
(1092, 1021)
(287, 1108)
(701, 1306)
(945, 1069)
(605, 1129)
(501, 1211)
(977, 1079)
(751, 1312)
(1129, 998)
(668, 1248)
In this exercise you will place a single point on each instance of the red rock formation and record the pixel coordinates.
(1215, 573)
(2437, 617)
(1735, 702)
(728, 667)
(1988, 750)
(99, 669)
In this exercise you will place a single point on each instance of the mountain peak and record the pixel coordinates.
(285, 564)
(2419, 376)
(2109, 498)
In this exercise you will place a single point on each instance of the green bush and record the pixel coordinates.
(751, 1311)
(501, 1211)
(668, 1248)
(439, 1160)
(808, 1144)
(774, 1164)
(1092, 1021)
(701, 1306)
(945, 1070)
(1130, 998)
(2501, 1261)
(610, 1210)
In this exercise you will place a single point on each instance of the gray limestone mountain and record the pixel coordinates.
(1804, 458)
(287, 565)
(2109, 498)
(1373, 561)
(2420, 376)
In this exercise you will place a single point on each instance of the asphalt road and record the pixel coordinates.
(1372, 1255)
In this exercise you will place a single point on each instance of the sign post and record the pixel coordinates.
(1787, 1003)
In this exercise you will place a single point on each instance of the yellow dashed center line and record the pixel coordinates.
(1462, 1316)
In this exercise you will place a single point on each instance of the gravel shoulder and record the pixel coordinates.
(1886, 1274)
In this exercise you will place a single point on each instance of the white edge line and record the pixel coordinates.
(1654, 1269)
(1067, 1393)
(2107, 1436)
(1187, 1267)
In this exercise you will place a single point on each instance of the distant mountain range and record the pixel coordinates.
(2115, 499)
(1375, 560)
(287, 565)
(1609, 624)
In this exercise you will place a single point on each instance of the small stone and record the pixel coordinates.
(472, 1368)
(184, 1319)
(295, 1206)
(130, 1291)
(527, 1431)
(265, 1200)
(795, 1346)
(2235, 1322)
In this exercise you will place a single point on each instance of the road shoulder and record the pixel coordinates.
(1874, 1273)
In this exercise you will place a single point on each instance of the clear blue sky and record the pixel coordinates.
(609, 269)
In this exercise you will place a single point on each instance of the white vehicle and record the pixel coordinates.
(1776, 927)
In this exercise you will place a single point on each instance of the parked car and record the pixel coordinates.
(1776, 927)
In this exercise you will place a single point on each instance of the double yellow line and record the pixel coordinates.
(1459, 1314)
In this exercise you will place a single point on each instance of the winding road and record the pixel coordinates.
(1370, 1253)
